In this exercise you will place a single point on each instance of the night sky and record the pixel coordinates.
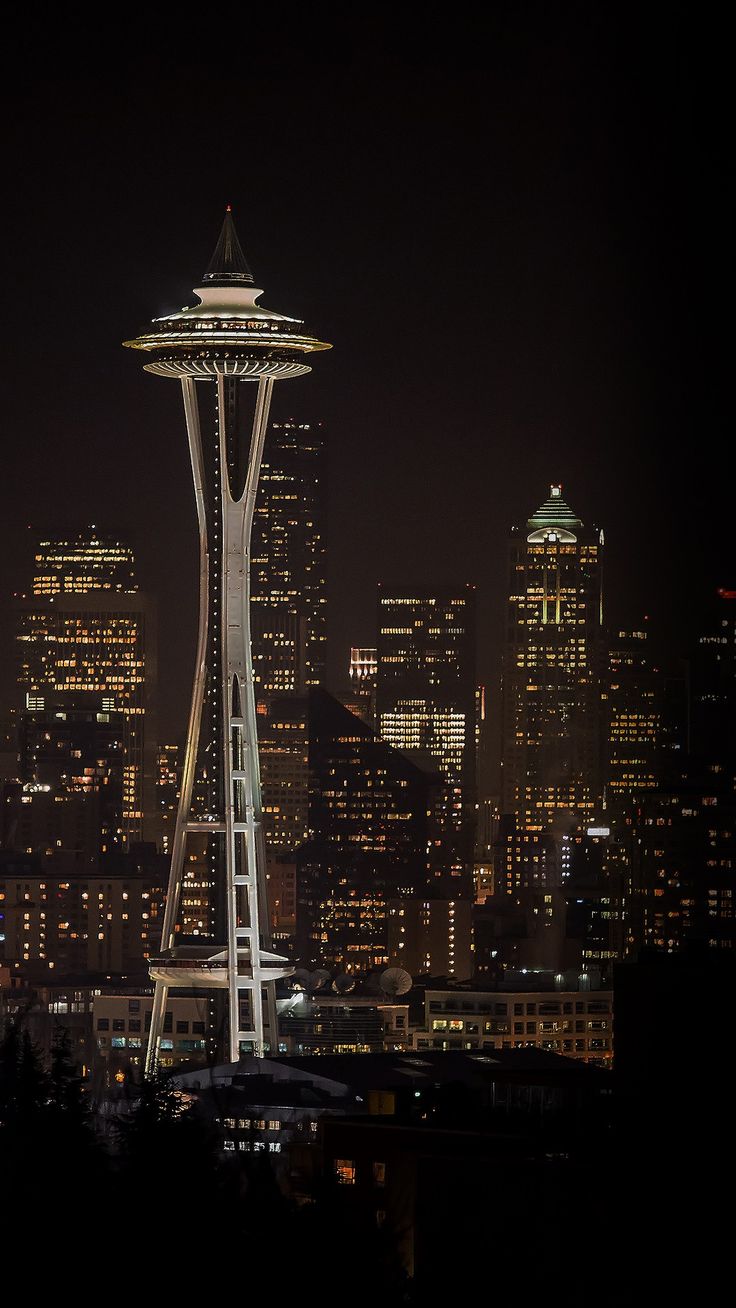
(513, 230)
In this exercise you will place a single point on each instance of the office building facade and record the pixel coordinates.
(368, 833)
(86, 642)
(426, 707)
(288, 552)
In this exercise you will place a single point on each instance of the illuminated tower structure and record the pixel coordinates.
(553, 664)
(214, 348)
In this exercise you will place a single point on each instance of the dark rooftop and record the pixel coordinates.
(386, 1071)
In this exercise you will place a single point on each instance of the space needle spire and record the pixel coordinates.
(214, 348)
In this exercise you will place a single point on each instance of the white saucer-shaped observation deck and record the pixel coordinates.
(227, 333)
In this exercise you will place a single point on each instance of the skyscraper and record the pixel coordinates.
(426, 706)
(168, 783)
(363, 674)
(551, 736)
(86, 641)
(288, 585)
(681, 843)
(77, 565)
(283, 747)
(72, 802)
(644, 721)
(713, 684)
(84, 920)
(681, 863)
(367, 840)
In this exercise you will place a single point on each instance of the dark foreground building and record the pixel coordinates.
(442, 1152)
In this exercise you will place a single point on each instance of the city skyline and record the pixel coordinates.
(576, 266)
(368, 745)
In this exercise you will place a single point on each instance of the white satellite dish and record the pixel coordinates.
(343, 984)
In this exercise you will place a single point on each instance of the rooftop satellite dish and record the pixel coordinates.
(300, 979)
(343, 984)
(395, 981)
(319, 979)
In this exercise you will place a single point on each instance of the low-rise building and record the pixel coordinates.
(343, 1024)
(122, 1020)
(576, 1023)
(106, 921)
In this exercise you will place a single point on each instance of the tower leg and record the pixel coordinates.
(178, 849)
(273, 1020)
(158, 1013)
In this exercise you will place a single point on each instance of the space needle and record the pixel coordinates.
(214, 348)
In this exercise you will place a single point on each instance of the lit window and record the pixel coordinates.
(345, 1171)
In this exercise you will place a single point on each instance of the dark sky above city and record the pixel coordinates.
(513, 229)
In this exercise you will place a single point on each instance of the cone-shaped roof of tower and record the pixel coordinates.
(554, 512)
(228, 265)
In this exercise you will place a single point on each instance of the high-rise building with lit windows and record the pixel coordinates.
(632, 719)
(90, 561)
(368, 831)
(288, 577)
(644, 720)
(71, 801)
(57, 922)
(168, 785)
(551, 715)
(426, 705)
(713, 684)
(283, 753)
(86, 642)
(358, 690)
(283, 736)
(681, 864)
(681, 836)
